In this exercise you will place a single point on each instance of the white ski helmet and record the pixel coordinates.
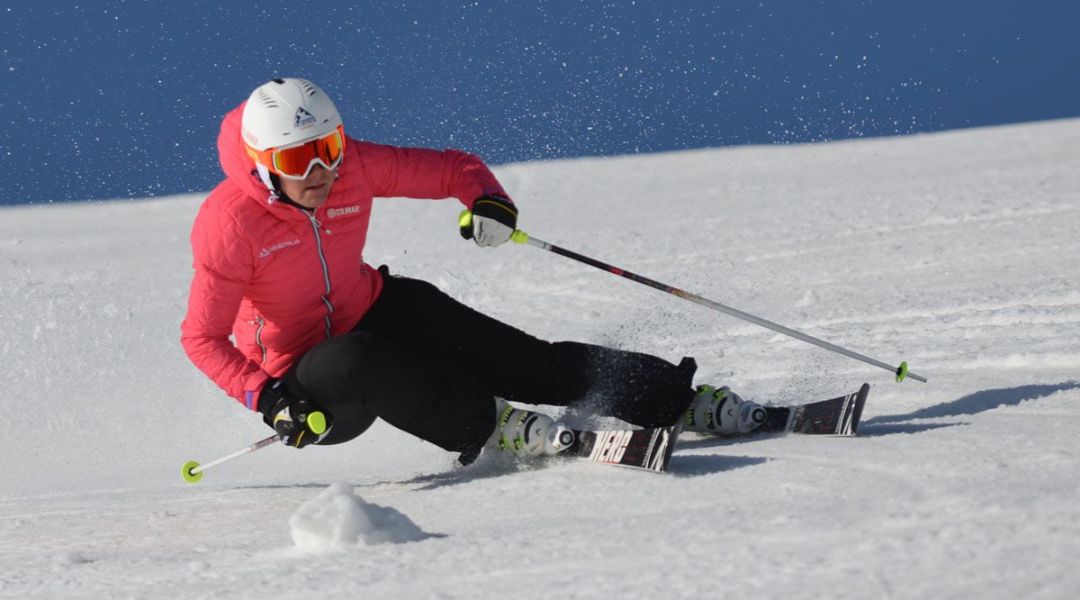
(286, 112)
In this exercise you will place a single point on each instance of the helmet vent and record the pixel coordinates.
(307, 87)
(267, 100)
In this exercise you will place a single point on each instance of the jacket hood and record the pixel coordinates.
(238, 166)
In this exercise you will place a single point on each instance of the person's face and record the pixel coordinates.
(313, 190)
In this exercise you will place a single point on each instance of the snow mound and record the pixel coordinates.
(337, 518)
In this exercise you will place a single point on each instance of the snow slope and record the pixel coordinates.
(957, 252)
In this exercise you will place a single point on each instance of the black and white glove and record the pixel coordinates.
(491, 221)
(297, 421)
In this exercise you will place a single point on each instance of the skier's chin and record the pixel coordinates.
(315, 196)
(312, 191)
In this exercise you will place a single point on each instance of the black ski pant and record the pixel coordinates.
(432, 366)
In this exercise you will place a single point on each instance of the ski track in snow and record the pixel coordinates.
(956, 252)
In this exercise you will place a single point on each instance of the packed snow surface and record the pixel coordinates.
(957, 252)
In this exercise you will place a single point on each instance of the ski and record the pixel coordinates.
(836, 416)
(648, 449)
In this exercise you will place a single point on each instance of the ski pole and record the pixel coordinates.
(193, 470)
(520, 237)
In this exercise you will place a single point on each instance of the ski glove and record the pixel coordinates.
(297, 421)
(491, 221)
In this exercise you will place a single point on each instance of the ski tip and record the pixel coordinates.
(188, 472)
(674, 432)
(860, 402)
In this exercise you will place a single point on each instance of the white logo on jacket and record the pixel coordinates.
(341, 212)
(278, 246)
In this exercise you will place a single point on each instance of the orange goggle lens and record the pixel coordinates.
(296, 162)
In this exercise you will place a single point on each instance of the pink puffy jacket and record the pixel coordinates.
(279, 279)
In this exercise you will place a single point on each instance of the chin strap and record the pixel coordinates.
(264, 175)
(273, 184)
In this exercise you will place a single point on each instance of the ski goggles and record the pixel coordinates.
(296, 162)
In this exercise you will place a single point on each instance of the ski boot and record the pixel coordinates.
(527, 433)
(720, 411)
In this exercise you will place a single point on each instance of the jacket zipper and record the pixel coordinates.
(326, 269)
(259, 323)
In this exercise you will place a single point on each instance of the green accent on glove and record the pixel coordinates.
(464, 220)
(486, 210)
(316, 422)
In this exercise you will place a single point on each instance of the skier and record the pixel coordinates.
(323, 343)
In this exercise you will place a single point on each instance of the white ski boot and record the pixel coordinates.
(527, 433)
(720, 411)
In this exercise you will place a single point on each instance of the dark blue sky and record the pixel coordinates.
(112, 99)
